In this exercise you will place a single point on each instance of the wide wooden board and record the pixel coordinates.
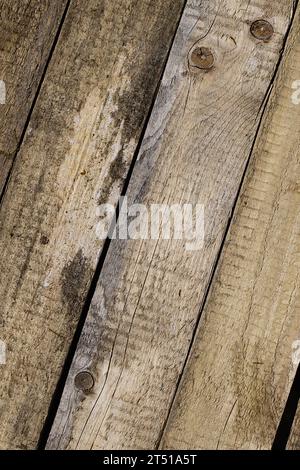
(245, 355)
(80, 140)
(146, 304)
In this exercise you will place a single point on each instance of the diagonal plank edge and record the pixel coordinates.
(28, 29)
(245, 355)
(145, 307)
(294, 438)
(80, 140)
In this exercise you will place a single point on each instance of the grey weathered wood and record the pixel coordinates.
(27, 32)
(246, 351)
(144, 310)
(80, 140)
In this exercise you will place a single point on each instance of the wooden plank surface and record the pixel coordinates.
(148, 297)
(81, 138)
(27, 32)
(244, 360)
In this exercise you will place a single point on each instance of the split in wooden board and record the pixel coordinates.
(246, 351)
(147, 300)
(28, 29)
(80, 140)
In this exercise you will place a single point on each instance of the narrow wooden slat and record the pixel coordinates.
(81, 138)
(244, 357)
(147, 300)
(27, 32)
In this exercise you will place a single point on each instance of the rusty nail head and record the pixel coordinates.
(84, 381)
(262, 29)
(202, 58)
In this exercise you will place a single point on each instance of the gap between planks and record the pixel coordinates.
(291, 416)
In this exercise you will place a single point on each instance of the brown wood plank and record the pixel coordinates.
(148, 297)
(244, 360)
(80, 140)
(27, 32)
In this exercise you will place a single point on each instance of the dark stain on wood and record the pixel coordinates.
(74, 278)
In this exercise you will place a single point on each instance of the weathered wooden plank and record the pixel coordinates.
(244, 360)
(146, 303)
(27, 32)
(81, 138)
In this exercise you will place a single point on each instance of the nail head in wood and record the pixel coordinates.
(202, 58)
(262, 30)
(84, 381)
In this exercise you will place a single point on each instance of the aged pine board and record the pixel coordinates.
(27, 32)
(80, 140)
(144, 310)
(243, 361)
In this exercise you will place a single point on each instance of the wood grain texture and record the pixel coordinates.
(27, 32)
(80, 140)
(244, 359)
(144, 310)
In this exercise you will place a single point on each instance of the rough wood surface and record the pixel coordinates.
(27, 32)
(245, 354)
(80, 140)
(147, 300)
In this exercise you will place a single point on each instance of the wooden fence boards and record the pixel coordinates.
(245, 354)
(80, 140)
(27, 32)
(148, 297)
